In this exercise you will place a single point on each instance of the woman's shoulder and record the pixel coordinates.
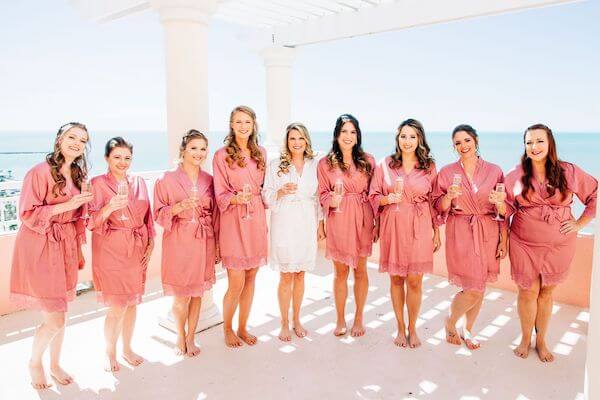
(448, 168)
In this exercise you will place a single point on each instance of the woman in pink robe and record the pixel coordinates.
(184, 205)
(475, 242)
(400, 194)
(47, 250)
(349, 221)
(239, 170)
(122, 242)
(543, 231)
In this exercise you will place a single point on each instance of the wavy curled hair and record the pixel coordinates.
(335, 157)
(285, 157)
(79, 166)
(234, 153)
(188, 137)
(423, 152)
(554, 171)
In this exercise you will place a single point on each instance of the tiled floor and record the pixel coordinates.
(317, 367)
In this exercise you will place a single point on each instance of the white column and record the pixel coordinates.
(278, 64)
(592, 362)
(185, 24)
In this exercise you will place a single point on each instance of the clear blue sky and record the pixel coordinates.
(498, 73)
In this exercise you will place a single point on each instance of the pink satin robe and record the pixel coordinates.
(537, 248)
(47, 247)
(188, 247)
(406, 229)
(349, 232)
(243, 242)
(118, 246)
(472, 236)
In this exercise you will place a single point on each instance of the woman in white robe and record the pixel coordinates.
(290, 191)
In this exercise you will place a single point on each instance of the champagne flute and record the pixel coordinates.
(123, 190)
(457, 182)
(247, 192)
(398, 190)
(85, 189)
(294, 180)
(194, 196)
(338, 189)
(500, 188)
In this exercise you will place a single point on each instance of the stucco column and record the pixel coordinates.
(278, 64)
(592, 362)
(185, 24)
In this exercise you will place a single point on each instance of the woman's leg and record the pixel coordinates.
(542, 320)
(231, 300)
(361, 288)
(471, 317)
(53, 323)
(463, 301)
(340, 294)
(284, 295)
(297, 303)
(414, 284)
(127, 334)
(180, 313)
(245, 305)
(112, 331)
(397, 295)
(192, 324)
(527, 307)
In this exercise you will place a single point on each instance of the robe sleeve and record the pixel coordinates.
(96, 223)
(436, 218)
(440, 188)
(148, 220)
(376, 192)
(33, 210)
(269, 190)
(223, 190)
(585, 188)
(324, 190)
(162, 207)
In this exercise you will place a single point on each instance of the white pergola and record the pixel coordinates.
(281, 26)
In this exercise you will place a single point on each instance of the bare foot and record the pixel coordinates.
(110, 363)
(180, 347)
(132, 358)
(38, 377)
(247, 337)
(470, 341)
(400, 340)
(413, 339)
(192, 349)
(340, 329)
(60, 375)
(231, 339)
(357, 329)
(522, 350)
(543, 353)
(299, 330)
(451, 334)
(285, 335)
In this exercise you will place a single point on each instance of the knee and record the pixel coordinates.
(250, 277)
(235, 288)
(546, 293)
(397, 280)
(414, 282)
(181, 303)
(360, 274)
(473, 296)
(117, 312)
(528, 295)
(56, 323)
(299, 277)
(341, 274)
(286, 280)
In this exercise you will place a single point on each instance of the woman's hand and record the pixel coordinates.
(118, 202)
(240, 198)
(321, 231)
(148, 253)
(393, 198)
(502, 250)
(79, 199)
(453, 192)
(336, 200)
(217, 255)
(376, 232)
(497, 197)
(437, 241)
(569, 226)
(288, 188)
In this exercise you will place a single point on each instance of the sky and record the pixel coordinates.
(499, 73)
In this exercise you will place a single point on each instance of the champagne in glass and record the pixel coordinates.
(247, 192)
(123, 190)
(500, 188)
(457, 182)
(194, 196)
(85, 189)
(398, 190)
(338, 190)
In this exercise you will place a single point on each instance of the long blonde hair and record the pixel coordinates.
(234, 153)
(285, 157)
(79, 166)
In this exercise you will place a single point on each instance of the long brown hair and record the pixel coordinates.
(335, 157)
(422, 152)
(234, 153)
(554, 171)
(285, 157)
(79, 166)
